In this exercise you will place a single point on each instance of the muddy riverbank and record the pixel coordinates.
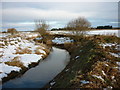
(90, 66)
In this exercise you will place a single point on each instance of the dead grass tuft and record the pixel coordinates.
(15, 62)
(42, 45)
(49, 42)
(47, 50)
(68, 44)
(39, 47)
(37, 51)
(23, 51)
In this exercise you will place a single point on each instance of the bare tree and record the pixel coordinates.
(42, 27)
(12, 31)
(79, 25)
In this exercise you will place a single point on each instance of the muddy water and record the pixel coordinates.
(47, 69)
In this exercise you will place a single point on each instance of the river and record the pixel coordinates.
(40, 75)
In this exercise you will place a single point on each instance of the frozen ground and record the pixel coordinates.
(4, 34)
(105, 32)
(61, 40)
(18, 50)
(25, 34)
(94, 32)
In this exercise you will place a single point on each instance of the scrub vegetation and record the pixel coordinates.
(18, 51)
(92, 65)
(94, 61)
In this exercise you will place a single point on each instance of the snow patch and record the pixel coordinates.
(103, 73)
(103, 32)
(118, 65)
(115, 55)
(113, 77)
(6, 69)
(42, 51)
(15, 48)
(77, 57)
(67, 70)
(92, 32)
(62, 40)
(106, 65)
(27, 59)
(99, 77)
(84, 82)
(52, 83)
(107, 44)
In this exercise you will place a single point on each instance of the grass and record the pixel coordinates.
(23, 51)
(91, 61)
(37, 51)
(77, 64)
(15, 62)
(17, 40)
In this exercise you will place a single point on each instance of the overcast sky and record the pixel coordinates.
(21, 15)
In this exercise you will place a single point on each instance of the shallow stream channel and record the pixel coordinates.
(45, 71)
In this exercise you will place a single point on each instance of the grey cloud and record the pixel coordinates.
(59, 13)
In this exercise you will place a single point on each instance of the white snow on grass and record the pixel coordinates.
(52, 83)
(115, 55)
(2, 75)
(7, 57)
(106, 65)
(77, 57)
(103, 73)
(27, 59)
(42, 51)
(92, 32)
(99, 77)
(61, 40)
(108, 44)
(60, 32)
(29, 34)
(103, 32)
(5, 69)
(84, 82)
(4, 34)
(10, 49)
(118, 65)
(21, 49)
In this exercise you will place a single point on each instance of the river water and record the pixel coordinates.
(40, 75)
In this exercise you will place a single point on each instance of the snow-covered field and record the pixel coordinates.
(94, 32)
(4, 34)
(17, 51)
(62, 40)
(25, 34)
(105, 32)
